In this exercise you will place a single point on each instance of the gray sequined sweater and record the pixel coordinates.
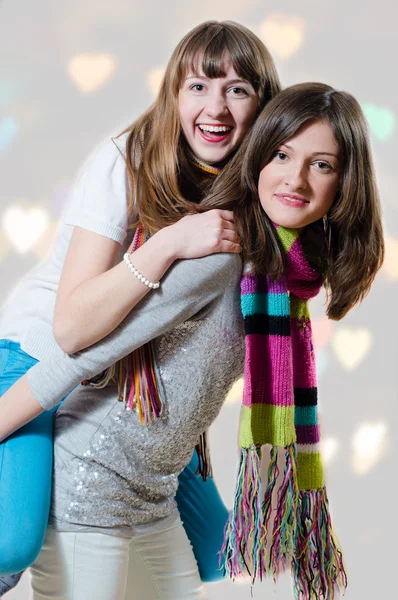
(110, 472)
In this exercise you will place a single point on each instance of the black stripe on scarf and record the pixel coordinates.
(305, 396)
(267, 325)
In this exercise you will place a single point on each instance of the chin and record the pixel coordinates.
(212, 157)
(289, 223)
(211, 154)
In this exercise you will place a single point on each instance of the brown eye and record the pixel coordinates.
(239, 91)
(280, 155)
(323, 166)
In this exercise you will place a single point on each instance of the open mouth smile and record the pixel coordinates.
(214, 133)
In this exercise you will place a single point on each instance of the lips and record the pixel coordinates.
(214, 133)
(294, 200)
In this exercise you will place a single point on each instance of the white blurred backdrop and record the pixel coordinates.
(73, 73)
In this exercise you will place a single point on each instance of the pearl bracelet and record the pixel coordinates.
(153, 286)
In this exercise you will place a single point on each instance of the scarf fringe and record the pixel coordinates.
(317, 568)
(143, 395)
(204, 463)
(302, 539)
(240, 550)
(285, 521)
(136, 382)
(101, 380)
(272, 476)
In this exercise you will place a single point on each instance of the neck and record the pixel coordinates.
(203, 166)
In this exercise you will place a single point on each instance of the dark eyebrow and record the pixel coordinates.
(314, 153)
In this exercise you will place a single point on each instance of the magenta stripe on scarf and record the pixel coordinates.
(300, 280)
(249, 285)
(268, 370)
(308, 434)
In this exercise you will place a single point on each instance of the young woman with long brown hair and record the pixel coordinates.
(159, 169)
(308, 212)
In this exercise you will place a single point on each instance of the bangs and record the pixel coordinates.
(207, 52)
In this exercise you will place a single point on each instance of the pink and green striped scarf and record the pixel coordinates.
(280, 409)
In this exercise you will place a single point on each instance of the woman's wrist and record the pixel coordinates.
(140, 276)
(154, 258)
(167, 244)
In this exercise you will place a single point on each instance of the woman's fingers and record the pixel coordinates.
(230, 235)
(218, 213)
(228, 225)
(206, 233)
(230, 242)
(226, 246)
(227, 215)
(222, 219)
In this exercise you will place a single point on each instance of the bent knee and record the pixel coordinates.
(17, 553)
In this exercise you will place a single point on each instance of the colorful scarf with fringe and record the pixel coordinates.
(280, 408)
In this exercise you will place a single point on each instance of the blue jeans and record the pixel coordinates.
(25, 490)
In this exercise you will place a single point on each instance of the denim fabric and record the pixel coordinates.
(8, 582)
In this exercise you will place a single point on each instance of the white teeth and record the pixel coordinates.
(215, 128)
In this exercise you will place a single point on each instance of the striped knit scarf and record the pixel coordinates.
(280, 408)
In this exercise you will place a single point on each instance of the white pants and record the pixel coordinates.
(85, 566)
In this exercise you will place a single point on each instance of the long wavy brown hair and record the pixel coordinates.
(353, 225)
(158, 165)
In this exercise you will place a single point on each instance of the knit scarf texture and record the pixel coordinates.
(284, 524)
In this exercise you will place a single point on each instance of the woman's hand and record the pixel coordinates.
(202, 234)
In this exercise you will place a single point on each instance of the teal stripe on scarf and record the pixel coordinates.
(274, 305)
(305, 415)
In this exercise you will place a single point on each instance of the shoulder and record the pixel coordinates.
(104, 172)
(227, 265)
(106, 158)
(211, 274)
(100, 194)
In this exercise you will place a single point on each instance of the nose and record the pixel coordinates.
(216, 105)
(296, 177)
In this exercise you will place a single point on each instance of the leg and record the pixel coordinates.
(25, 480)
(25, 476)
(204, 516)
(162, 566)
(80, 566)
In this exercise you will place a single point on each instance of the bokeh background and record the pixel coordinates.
(74, 73)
